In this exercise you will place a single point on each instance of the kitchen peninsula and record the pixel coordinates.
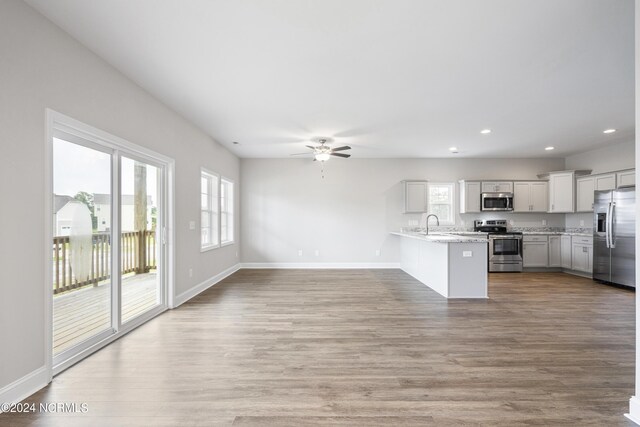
(454, 266)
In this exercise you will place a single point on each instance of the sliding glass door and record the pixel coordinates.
(108, 253)
(139, 207)
(82, 286)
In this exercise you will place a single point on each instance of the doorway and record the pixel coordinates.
(109, 260)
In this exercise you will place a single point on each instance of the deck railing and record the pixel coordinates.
(138, 250)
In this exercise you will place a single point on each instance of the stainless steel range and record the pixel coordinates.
(505, 247)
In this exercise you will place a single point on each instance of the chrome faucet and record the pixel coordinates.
(427, 221)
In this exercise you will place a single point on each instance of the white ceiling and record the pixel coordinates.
(392, 78)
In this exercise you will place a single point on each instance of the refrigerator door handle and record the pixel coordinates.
(606, 226)
(612, 237)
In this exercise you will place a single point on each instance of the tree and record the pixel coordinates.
(87, 199)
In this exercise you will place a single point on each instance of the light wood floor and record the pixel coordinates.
(80, 314)
(362, 348)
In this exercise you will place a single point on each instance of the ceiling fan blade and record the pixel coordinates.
(309, 146)
(346, 156)
(345, 147)
(300, 154)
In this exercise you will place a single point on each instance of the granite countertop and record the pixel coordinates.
(531, 231)
(440, 237)
(557, 233)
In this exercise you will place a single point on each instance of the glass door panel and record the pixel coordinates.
(140, 249)
(81, 247)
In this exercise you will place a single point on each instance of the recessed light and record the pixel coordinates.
(485, 131)
(453, 149)
(549, 148)
(235, 143)
(609, 131)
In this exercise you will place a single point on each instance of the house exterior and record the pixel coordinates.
(63, 210)
(102, 212)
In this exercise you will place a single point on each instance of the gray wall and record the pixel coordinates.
(347, 216)
(614, 156)
(43, 67)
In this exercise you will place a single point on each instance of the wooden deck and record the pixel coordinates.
(80, 314)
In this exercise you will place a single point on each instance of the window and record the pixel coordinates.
(209, 237)
(226, 211)
(440, 199)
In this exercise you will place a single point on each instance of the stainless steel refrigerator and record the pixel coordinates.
(614, 236)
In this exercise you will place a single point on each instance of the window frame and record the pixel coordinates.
(213, 202)
(227, 210)
(452, 201)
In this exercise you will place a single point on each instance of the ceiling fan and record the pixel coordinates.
(323, 152)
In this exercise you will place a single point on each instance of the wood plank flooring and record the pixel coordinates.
(364, 348)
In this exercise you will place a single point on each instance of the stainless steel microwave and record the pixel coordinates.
(497, 202)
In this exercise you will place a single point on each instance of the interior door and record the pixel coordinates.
(623, 237)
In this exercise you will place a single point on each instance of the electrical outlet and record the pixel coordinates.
(378, 252)
(317, 252)
(191, 272)
(582, 223)
(544, 222)
(300, 252)
(237, 254)
(192, 225)
(467, 254)
(511, 222)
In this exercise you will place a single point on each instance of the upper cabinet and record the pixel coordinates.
(470, 196)
(415, 196)
(561, 192)
(626, 178)
(531, 196)
(585, 187)
(497, 187)
(605, 182)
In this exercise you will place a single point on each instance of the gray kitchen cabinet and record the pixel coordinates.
(605, 182)
(565, 251)
(415, 196)
(530, 196)
(561, 192)
(497, 187)
(470, 196)
(626, 178)
(535, 251)
(555, 251)
(584, 193)
(582, 254)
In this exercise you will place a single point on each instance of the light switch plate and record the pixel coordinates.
(467, 254)
(192, 225)
(582, 223)
(544, 222)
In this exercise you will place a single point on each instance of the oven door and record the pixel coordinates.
(505, 248)
(497, 201)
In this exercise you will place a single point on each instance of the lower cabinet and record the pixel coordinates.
(535, 251)
(582, 254)
(555, 253)
(565, 251)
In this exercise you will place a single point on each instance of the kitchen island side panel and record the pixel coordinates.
(468, 277)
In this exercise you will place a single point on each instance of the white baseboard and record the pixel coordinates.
(24, 387)
(634, 410)
(201, 287)
(321, 265)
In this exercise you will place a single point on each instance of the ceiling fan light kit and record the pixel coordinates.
(323, 152)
